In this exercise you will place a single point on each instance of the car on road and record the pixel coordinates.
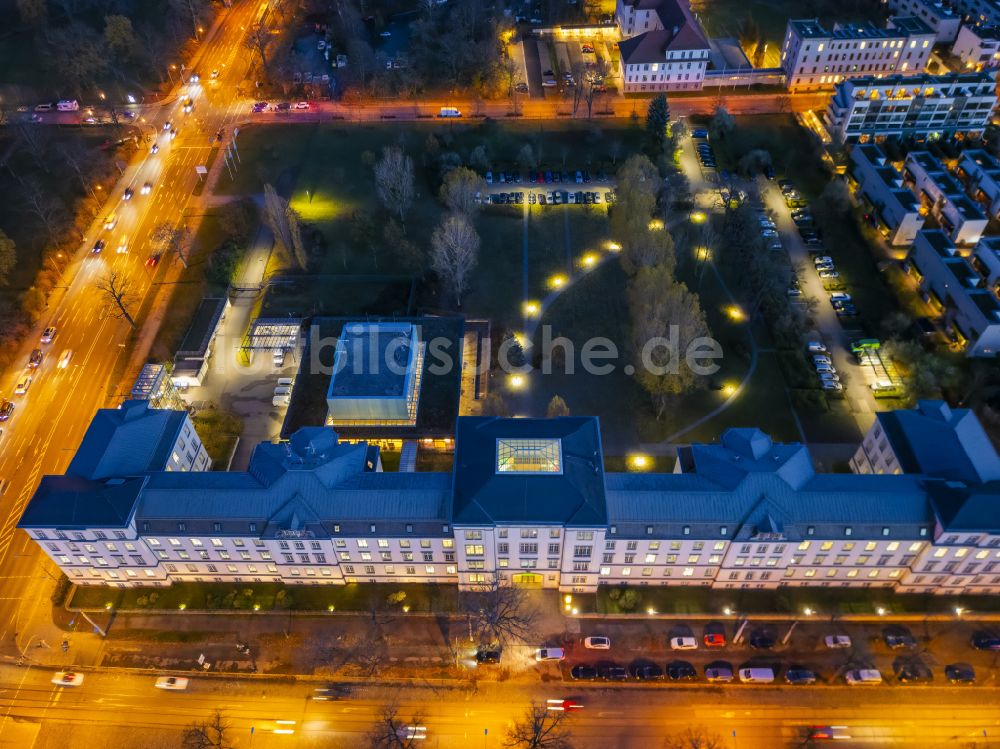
(612, 672)
(194, 78)
(597, 642)
(985, 640)
(22, 384)
(583, 672)
(863, 676)
(6, 409)
(563, 705)
(155, 148)
(64, 358)
(960, 673)
(153, 260)
(48, 334)
(761, 639)
(412, 733)
(799, 675)
(67, 679)
(898, 637)
(147, 188)
(259, 107)
(187, 106)
(681, 671)
(301, 105)
(99, 245)
(35, 360)
(829, 733)
(715, 635)
(550, 654)
(647, 672)
(488, 655)
(127, 195)
(122, 245)
(699, 133)
(110, 221)
(215, 73)
(719, 671)
(173, 133)
(683, 643)
(167, 125)
(172, 683)
(282, 106)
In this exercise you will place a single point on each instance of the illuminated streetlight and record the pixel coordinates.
(959, 611)
(728, 389)
(735, 313)
(516, 382)
(727, 611)
(589, 260)
(531, 309)
(880, 611)
(557, 281)
(808, 611)
(614, 247)
(651, 611)
(639, 462)
(698, 217)
(655, 225)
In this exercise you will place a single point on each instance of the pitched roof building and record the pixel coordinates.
(664, 49)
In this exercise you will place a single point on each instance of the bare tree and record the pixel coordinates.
(693, 738)
(392, 732)
(460, 188)
(77, 158)
(454, 253)
(394, 180)
(119, 295)
(212, 734)
(173, 240)
(499, 612)
(8, 257)
(539, 728)
(34, 141)
(276, 217)
(256, 41)
(51, 214)
(298, 249)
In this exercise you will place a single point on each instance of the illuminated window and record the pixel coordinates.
(529, 456)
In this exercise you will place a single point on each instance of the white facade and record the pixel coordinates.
(663, 46)
(924, 108)
(943, 19)
(942, 195)
(980, 173)
(814, 58)
(978, 47)
(881, 185)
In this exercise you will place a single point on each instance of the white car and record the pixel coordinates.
(597, 643)
(48, 334)
(837, 642)
(67, 679)
(23, 384)
(155, 148)
(301, 105)
(146, 188)
(815, 347)
(123, 245)
(413, 733)
(683, 643)
(840, 296)
(829, 377)
(830, 385)
(550, 654)
(867, 676)
(174, 683)
(64, 359)
(822, 359)
(822, 260)
(167, 125)
(825, 368)
(768, 233)
(829, 274)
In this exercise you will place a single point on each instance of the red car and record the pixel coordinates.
(715, 635)
(152, 260)
(562, 705)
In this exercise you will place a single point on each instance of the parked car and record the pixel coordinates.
(583, 673)
(647, 672)
(863, 676)
(754, 675)
(815, 347)
(67, 679)
(829, 733)
(612, 672)
(715, 635)
(683, 643)
(914, 672)
(719, 671)
(799, 676)
(985, 640)
(960, 673)
(831, 386)
(681, 671)
(761, 639)
(829, 274)
(897, 637)
(488, 655)
(821, 359)
(550, 654)
(597, 642)
(175, 683)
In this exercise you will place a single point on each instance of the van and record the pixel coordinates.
(863, 676)
(450, 112)
(280, 400)
(756, 675)
(550, 654)
(68, 105)
(286, 381)
(282, 391)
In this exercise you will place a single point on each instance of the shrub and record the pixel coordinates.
(629, 600)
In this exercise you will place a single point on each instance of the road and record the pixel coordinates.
(50, 419)
(632, 717)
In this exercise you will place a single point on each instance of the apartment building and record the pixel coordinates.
(932, 439)
(815, 58)
(986, 260)
(664, 47)
(881, 186)
(527, 499)
(978, 46)
(924, 107)
(940, 16)
(979, 172)
(940, 192)
(969, 310)
(980, 11)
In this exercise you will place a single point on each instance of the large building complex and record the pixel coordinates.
(943, 197)
(944, 19)
(664, 47)
(923, 107)
(978, 46)
(815, 58)
(529, 499)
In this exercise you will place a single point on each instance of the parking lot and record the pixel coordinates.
(563, 63)
(547, 187)
(802, 653)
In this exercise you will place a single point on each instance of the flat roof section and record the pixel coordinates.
(373, 360)
(206, 320)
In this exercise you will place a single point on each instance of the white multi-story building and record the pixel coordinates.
(943, 18)
(978, 46)
(881, 185)
(924, 107)
(664, 46)
(528, 499)
(979, 171)
(814, 58)
(941, 193)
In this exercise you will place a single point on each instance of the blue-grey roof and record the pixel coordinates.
(574, 496)
(966, 508)
(76, 502)
(943, 442)
(127, 441)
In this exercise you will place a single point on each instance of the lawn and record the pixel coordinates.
(268, 597)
